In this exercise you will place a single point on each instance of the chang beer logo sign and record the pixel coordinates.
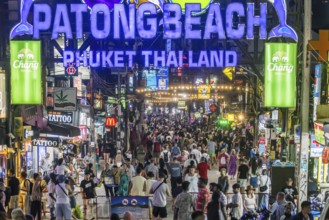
(280, 75)
(280, 63)
(25, 60)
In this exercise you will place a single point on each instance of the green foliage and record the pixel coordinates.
(77, 212)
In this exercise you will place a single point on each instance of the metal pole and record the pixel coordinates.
(303, 152)
(92, 126)
(119, 143)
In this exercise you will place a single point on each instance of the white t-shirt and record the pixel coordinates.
(193, 182)
(264, 180)
(162, 155)
(61, 197)
(160, 195)
(197, 154)
(51, 188)
(60, 169)
(137, 186)
(237, 211)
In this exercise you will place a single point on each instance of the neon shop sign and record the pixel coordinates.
(122, 21)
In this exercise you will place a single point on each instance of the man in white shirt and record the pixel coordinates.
(137, 184)
(165, 154)
(236, 204)
(197, 153)
(160, 192)
(88, 159)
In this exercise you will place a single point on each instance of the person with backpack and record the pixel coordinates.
(25, 192)
(175, 151)
(165, 154)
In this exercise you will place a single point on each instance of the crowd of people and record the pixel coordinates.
(178, 156)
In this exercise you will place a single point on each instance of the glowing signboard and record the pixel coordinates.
(204, 91)
(110, 122)
(126, 21)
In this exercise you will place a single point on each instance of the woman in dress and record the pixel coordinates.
(232, 165)
(249, 201)
(124, 181)
(192, 177)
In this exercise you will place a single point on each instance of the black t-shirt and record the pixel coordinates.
(243, 170)
(290, 190)
(13, 183)
(88, 187)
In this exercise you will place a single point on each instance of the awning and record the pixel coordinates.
(62, 130)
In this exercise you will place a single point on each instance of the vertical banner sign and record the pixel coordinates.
(317, 88)
(2, 95)
(319, 133)
(25, 63)
(280, 75)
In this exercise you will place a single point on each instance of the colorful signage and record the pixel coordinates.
(60, 117)
(139, 205)
(3, 99)
(280, 75)
(316, 148)
(204, 91)
(110, 121)
(317, 88)
(45, 142)
(319, 133)
(230, 117)
(25, 62)
(65, 99)
(128, 22)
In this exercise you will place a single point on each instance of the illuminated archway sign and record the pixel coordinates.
(142, 22)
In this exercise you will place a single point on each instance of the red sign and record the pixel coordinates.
(110, 122)
(213, 107)
(71, 70)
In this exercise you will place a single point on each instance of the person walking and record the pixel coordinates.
(305, 214)
(107, 179)
(223, 180)
(254, 173)
(175, 171)
(51, 195)
(13, 184)
(160, 190)
(124, 181)
(203, 168)
(137, 184)
(223, 159)
(249, 200)
(287, 212)
(192, 177)
(232, 164)
(63, 207)
(87, 189)
(203, 197)
(237, 204)
(25, 193)
(264, 189)
(183, 203)
(243, 173)
(36, 197)
(277, 208)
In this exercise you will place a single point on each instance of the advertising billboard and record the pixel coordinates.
(25, 63)
(204, 91)
(316, 148)
(280, 75)
(319, 133)
(65, 99)
(2, 95)
(162, 79)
